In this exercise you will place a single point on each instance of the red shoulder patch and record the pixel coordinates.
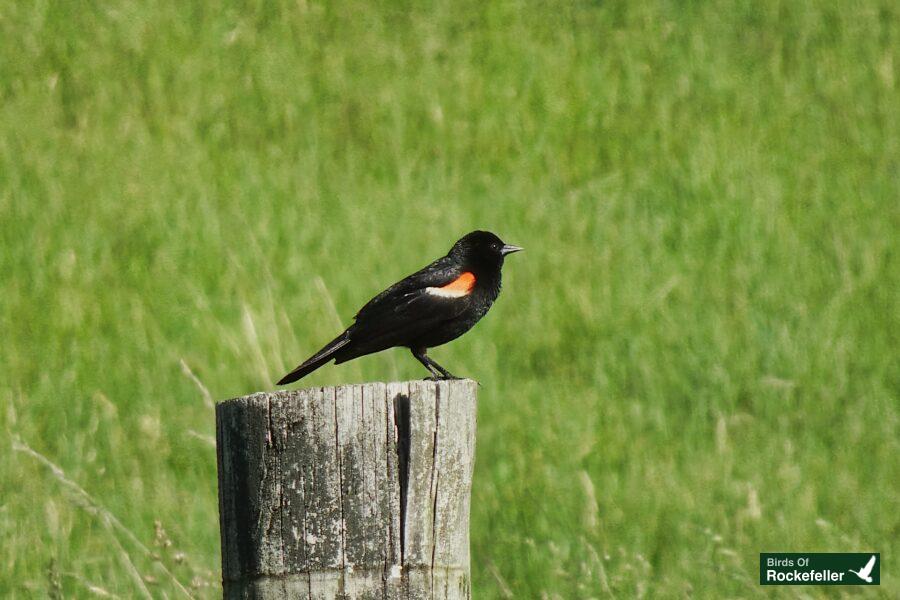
(462, 284)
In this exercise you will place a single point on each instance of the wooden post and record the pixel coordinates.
(355, 491)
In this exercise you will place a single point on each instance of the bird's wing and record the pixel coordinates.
(439, 273)
(868, 568)
(408, 308)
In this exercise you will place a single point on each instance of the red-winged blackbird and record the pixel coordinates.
(430, 307)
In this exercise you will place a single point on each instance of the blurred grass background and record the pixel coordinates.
(695, 360)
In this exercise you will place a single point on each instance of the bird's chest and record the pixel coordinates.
(479, 304)
(450, 329)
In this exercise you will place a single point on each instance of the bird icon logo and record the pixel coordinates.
(865, 572)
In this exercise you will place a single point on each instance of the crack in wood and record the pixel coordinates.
(435, 475)
(402, 422)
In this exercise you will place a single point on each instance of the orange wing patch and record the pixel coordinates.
(461, 286)
(464, 283)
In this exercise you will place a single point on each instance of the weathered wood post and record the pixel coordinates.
(355, 491)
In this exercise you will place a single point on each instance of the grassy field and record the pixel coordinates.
(695, 360)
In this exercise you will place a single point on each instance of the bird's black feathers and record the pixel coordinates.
(428, 308)
(437, 274)
(317, 360)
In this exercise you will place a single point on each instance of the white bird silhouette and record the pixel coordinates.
(864, 572)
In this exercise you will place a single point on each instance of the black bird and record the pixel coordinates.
(430, 307)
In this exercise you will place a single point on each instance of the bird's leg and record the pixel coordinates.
(431, 365)
(420, 355)
(447, 374)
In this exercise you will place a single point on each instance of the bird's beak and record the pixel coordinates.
(509, 249)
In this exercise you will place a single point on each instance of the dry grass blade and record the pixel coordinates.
(126, 559)
(253, 341)
(93, 588)
(207, 397)
(505, 590)
(87, 502)
(206, 439)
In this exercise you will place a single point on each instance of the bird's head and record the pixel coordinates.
(482, 249)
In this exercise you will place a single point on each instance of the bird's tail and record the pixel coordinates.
(317, 360)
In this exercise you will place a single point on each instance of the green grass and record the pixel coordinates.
(695, 360)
